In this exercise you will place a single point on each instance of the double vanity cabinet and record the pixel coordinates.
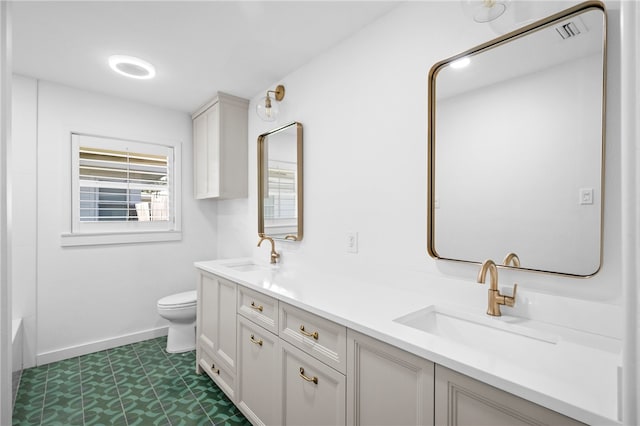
(283, 365)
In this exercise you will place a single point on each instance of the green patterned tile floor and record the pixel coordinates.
(138, 384)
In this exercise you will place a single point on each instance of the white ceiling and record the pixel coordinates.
(198, 48)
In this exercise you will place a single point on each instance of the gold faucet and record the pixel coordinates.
(274, 254)
(495, 298)
(511, 258)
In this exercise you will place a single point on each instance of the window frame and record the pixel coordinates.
(123, 232)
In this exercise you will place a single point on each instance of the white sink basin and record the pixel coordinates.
(489, 334)
(247, 267)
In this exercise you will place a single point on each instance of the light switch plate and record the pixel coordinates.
(351, 242)
(586, 196)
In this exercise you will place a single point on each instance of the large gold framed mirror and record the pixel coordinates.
(280, 204)
(516, 147)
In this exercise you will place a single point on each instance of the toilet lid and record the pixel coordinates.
(187, 298)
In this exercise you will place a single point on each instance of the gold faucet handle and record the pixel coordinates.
(511, 300)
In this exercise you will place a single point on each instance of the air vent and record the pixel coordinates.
(568, 30)
(571, 29)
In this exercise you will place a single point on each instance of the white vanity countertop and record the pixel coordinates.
(577, 375)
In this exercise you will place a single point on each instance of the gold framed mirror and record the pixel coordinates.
(280, 201)
(516, 147)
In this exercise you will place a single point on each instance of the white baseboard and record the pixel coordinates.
(100, 345)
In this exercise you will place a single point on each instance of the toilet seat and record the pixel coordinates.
(186, 299)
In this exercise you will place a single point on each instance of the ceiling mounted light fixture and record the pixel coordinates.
(484, 10)
(267, 109)
(131, 66)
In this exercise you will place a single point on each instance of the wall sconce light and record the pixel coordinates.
(267, 109)
(484, 10)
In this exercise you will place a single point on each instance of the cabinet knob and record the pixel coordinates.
(215, 370)
(313, 379)
(257, 342)
(256, 307)
(306, 333)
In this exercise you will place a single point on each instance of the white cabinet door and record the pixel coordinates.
(216, 329)
(206, 128)
(387, 386)
(461, 400)
(312, 392)
(220, 148)
(258, 376)
(224, 378)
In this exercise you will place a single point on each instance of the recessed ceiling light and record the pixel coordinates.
(132, 67)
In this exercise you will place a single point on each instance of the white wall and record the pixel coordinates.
(363, 105)
(24, 208)
(92, 297)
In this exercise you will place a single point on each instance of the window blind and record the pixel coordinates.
(122, 185)
(281, 201)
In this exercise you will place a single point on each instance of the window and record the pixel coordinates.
(281, 201)
(122, 187)
(280, 204)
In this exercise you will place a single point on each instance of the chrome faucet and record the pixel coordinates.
(495, 298)
(274, 254)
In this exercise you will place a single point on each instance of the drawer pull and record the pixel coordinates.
(215, 370)
(313, 379)
(256, 307)
(257, 342)
(306, 333)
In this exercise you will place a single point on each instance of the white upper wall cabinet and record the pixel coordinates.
(220, 148)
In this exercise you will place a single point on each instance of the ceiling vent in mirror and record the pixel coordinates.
(570, 29)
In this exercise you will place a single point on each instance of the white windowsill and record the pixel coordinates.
(94, 239)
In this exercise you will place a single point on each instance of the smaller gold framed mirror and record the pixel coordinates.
(280, 204)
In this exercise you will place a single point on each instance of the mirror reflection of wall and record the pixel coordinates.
(517, 144)
(280, 183)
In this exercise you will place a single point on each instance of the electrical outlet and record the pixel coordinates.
(351, 242)
(586, 196)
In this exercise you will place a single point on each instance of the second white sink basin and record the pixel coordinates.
(247, 267)
(489, 334)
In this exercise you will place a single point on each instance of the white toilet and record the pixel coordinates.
(180, 310)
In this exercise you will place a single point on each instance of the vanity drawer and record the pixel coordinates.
(259, 308)
(319, 337)
(219, 373)
(313, 393)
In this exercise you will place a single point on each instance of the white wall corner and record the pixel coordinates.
(630, 105)
(5, 215)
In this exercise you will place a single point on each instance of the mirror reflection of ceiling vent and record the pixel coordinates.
(570, 29)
